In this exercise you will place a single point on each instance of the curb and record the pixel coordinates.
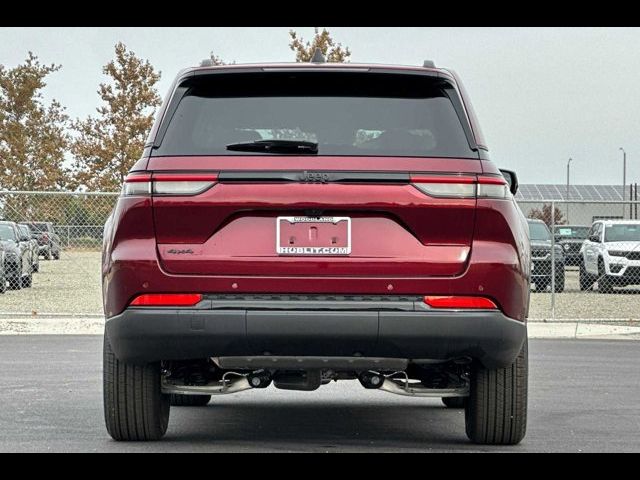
(38, 325)
(33, 316)
(94, 325)
(580, 330)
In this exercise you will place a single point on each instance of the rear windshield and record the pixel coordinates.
(572, 232)
(345, 114)
(622, 233)
(7, 232)
(538, 231)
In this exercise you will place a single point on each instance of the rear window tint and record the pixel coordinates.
(346, 114)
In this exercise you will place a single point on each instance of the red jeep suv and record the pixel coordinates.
(301, 223)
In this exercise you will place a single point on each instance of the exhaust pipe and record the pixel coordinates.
(375, 380)
(239, 382)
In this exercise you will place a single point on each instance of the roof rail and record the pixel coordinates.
(428, 64)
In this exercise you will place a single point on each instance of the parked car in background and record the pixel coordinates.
(48, 239)
(3, 276)
(611, 255)
(570, 238)
(17, 255)
(296, 224)
(35, 249)
(541, 258)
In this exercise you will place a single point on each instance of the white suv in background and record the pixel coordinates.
(611, 255)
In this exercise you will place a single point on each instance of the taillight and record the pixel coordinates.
(460, 302)
(168, 184)
(461, 186)
(167, 300)
(493, 187)
(182, 184)
(455, 186)
(137, 184)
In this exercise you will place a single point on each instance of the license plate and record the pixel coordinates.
(313, 235)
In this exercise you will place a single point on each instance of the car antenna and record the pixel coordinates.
(428, 64)
(318, 57)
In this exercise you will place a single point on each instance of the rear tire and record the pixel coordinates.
(453, 402)
(134, 406)
(189, 400)
(496, 410)
(3, 283)
(604, 284)
(559, 283)
(15, 282)
(27, 281)
(586, 280)
(541, 286)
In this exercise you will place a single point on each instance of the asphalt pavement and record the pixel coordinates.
(584, 397)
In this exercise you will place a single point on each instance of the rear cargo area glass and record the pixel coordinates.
(360, 114)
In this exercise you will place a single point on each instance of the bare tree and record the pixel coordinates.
(544, 214)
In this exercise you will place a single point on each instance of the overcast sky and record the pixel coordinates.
(542, 94)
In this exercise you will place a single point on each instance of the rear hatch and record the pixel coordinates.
(332, 173)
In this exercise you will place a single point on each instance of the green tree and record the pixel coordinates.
(33, 137)
(107, 145)
(332, 51)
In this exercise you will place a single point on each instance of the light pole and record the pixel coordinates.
(568, 170)
(624, 177)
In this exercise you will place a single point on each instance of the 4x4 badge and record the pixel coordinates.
(179, 251)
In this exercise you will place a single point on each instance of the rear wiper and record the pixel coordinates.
(275, 146)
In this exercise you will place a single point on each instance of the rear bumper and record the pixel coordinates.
(140, 335)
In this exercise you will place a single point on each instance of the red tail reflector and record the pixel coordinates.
(167, 300)
(459, 302)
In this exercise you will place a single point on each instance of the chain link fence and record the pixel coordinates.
(77, 218)
(67, 231)
(585, 260)
(585, 256)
